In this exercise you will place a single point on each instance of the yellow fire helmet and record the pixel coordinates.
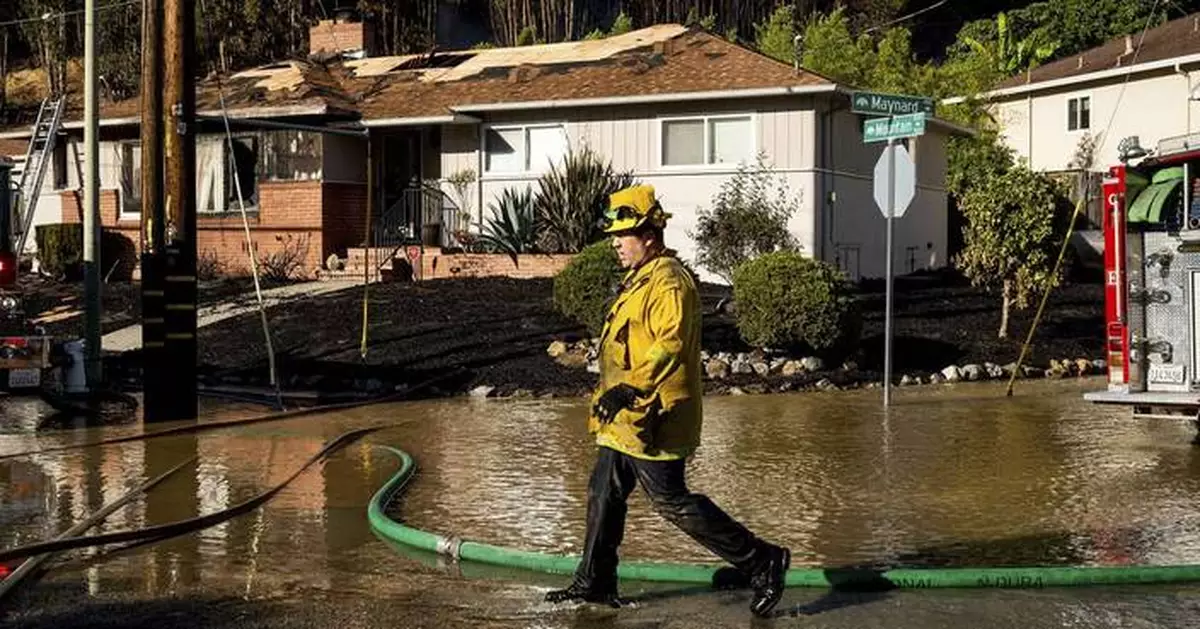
(631, 208)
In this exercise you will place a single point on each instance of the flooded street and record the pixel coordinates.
(952, 476)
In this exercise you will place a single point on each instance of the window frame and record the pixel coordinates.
(661, 148)
(526, 168)
(122, 214)
(1079, 97)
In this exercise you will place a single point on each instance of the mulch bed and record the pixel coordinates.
(464, 333)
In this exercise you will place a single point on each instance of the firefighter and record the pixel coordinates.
(646, 415)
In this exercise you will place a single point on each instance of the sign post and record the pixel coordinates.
(894, 188)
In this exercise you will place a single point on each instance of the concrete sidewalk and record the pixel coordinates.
(130, 338)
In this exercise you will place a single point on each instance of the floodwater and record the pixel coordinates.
(951, 476)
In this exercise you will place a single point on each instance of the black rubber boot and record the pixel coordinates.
(577, 593)
(768, 582)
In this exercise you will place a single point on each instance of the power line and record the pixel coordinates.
(908, 17)
(58, 16)
(1128, 73)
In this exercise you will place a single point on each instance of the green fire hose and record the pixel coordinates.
(840, 578)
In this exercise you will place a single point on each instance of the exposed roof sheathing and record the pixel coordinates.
(660, 60)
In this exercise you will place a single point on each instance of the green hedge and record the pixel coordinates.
(786, 299)
(583, 288)
(60, 251)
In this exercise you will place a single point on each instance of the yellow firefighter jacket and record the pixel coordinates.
(651, 341)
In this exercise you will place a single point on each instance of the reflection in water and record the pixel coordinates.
(949, 476)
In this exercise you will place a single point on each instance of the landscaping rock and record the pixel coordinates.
(777, 364)
(761, 368)
(757, 388)
(1056, 371)
(556, 349)
(973, 373)
(791, 368)
(741, 366)
(716, 369)
(937, 378)
(1032, 372)
(1009, 369)
(993, 370)
(1099, 366)
(849, 365)
(593, 366)
(908, 381)
(481, 391)
(574, 360)
(826, 384)
(736, 391)
(812, 363)
(952, 373)
(1083, 366)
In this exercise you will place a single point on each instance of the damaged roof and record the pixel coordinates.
(662, 59)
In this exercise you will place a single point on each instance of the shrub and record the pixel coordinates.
(285, 263)
(583, 288)
(785, 299)
(510, 228)
(745, 221)
(571, 199)
(60, 252)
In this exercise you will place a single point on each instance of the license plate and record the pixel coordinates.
(1166, 374)
(24, 378)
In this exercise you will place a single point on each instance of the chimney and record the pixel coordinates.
(346, 35)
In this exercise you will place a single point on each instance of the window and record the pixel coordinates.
(131, 178)
(707, 141)
(524, 149)
(61, 176)
(219, 171)
(1079, 113)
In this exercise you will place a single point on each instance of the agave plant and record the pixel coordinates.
(572, 198)
(510, 228)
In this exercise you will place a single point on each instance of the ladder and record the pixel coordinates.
(37, 159)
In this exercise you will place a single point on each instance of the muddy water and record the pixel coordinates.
(950, 476)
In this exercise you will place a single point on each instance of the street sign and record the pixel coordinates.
(906, 126)
(895, 181)
(877, 104)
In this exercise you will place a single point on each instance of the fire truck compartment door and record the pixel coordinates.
(1166, 185)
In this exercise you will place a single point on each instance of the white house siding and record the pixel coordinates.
(629, 137)
(49, 206)
(855, 228)
(1154, 106)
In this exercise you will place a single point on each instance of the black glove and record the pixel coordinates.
(613, 400)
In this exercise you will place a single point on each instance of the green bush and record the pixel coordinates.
(582, 290)
(785, 299)
(510, 228)
(60, 251)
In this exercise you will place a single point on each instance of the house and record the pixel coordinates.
(1069, 116)
(678, 107)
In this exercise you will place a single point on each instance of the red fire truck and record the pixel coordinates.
(1152, 278)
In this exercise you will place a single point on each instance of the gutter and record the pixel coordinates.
(675, 97)
(1082, 78)
(421, 121)
(243, 113)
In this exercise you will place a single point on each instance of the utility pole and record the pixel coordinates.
(91, 203)
(154, 373)
(178, 262)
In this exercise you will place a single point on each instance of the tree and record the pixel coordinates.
(748, 218)
(776, 36)
(623, 24)
(831, 50)
(1010, 53)
(1013, 224)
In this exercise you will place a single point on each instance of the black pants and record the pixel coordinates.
(614, 477)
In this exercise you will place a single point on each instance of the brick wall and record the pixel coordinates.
(330, 36)
(344, 217)
(436, 265)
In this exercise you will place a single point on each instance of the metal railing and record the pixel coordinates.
(422, 215)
